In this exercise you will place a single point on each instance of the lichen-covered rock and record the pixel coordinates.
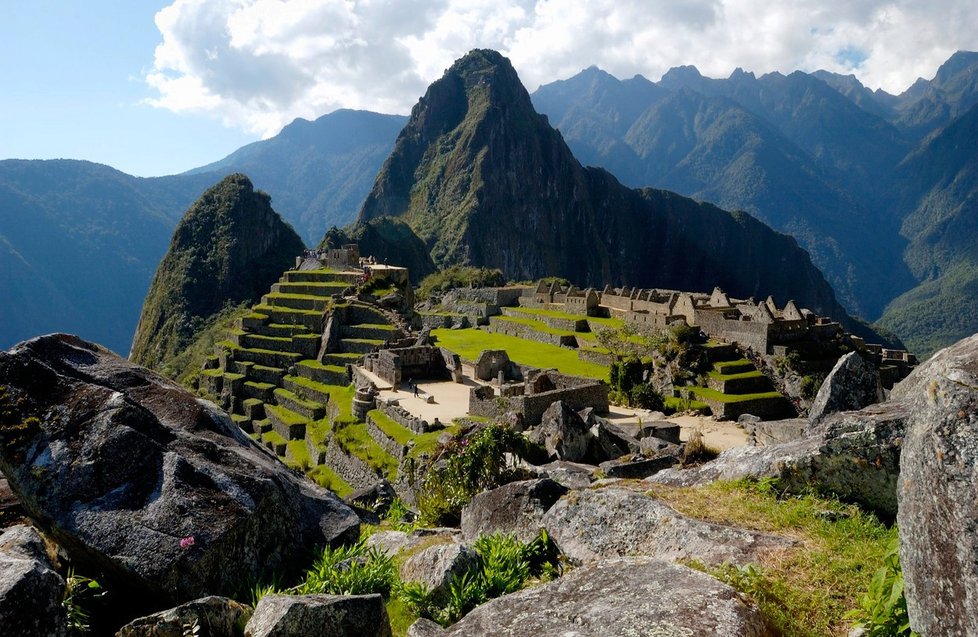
(639, 466)
(573, 475)
(563, 433)
(319, 615)
(609, 441)
(618, 598)
(852, 384)
(30, 589)
(938, 511)
(597, 524)
(425, 628)
(216, 617)
(516, 508)
(436, 566)
(854, 455)
(151, 487)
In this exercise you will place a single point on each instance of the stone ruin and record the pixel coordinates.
(415, 362)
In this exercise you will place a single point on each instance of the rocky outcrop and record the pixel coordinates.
(854, 455)
(30, 589)
(598, 524)
(140, 481)
(436, 566)
(852, 384)
(616, 598)
(516, 508)
(562, 432)
(228, 248)
(216, 617)
(938, 510)
(320, 615)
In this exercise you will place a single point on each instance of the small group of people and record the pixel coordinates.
(413, 387)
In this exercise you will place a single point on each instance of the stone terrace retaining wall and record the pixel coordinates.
(555, 322)
(526, 332)
(386, 443)
(353, 470)
(404, 418)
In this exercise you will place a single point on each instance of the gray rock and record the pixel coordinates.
(938, 510)
(515, 508)
(216, 616)
(562, 432)
(30, 589)
(436, 566)
(425, 628)
(852, 384)
(854, 455)
(661, 429)
(609, 441)
(151, 487)
(388, 542)
(319, 615)
(618, 598)
(637, 467)
(573, 475)
(598, 524)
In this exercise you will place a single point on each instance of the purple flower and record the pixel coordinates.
(187, 542)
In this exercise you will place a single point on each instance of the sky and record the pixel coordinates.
(155, 88)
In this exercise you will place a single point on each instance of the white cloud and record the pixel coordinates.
(258, 64)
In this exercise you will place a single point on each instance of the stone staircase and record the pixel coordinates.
(276, 379)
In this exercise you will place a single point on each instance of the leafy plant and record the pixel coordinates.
(882, 610)
(80, 591)
(354, 569)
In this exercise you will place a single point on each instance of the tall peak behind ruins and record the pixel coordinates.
(483, 179)
(227, 249)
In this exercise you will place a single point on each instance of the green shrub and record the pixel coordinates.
(882, 610)
(624, 374)
(810, 385)
(355, 569)
(644, 396)
(459, 276)
(465, 466)
(79, 594)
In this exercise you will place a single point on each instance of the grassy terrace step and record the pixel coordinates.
(275, 442)
(705, 393)
(259, 341)
(358, 313)
(355, 440)
(727, 368)
(325, 374)
(253, 408)
(310, 409)
(469, 343)
(266, 374)
(311, 319)
(257, 391)
(310, 288)
(243, 421)
(279, 329)
(329, 479)
(737, 376)
(288, 424)
(369, 330)
(320, 276)
(360, 345)
(263, 426)
(308, 389)
(262, 356)
(295, 301)
(543, 328)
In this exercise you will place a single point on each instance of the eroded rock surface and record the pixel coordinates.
(30, 589)
(852, 384)
(617, 598)
(216, 617)
(436, 566)
(938, 511)
(563, 433)
(516, 508)
(320, 615)
(596, 524)
(142, 482)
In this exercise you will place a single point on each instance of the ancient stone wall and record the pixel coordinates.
(353, 470)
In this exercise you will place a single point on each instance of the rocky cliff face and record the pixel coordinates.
(228, 248)
(483, 179)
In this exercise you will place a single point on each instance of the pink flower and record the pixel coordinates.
(187, 542)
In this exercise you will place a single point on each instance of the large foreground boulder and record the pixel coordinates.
(150, 489)
(596, 524)
(616, 598)
(562, 432)
(319, 615)
(852, 384)
(516, 508)
(30, 589)
(938, 511)
(854, 455)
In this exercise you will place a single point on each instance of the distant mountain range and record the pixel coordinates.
(880, 189)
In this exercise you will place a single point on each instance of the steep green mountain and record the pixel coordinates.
(930, 105)
(78, 244)
(228, 248)
(483, 179)
(941, 190)
(319, 172)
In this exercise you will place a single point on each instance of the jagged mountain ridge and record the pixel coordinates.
(228, 248)
(483, 179)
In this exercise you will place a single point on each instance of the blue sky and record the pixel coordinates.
(156, 88)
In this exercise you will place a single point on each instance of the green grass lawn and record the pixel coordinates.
(706, 393)
(469, 343)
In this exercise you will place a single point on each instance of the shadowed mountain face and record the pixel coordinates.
(483, 179)
(228, 249)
